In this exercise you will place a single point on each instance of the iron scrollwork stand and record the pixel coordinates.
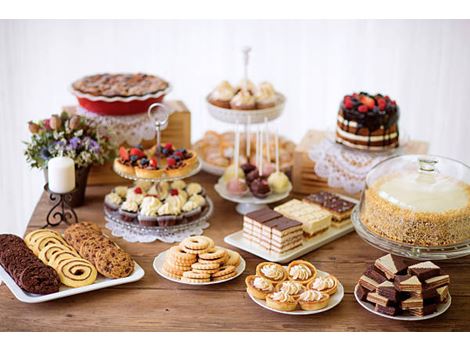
(62, 210)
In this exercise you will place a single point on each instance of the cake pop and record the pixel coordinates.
(260, 187)
(237, 187)
(278, 181)
(230, 173)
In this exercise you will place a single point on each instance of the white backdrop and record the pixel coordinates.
(424, 65)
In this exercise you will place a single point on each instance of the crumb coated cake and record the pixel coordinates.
(368, 122)
(418, 209)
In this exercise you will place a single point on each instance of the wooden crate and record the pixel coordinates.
(304, 179)
(178, 132)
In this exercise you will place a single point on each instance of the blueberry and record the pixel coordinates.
(134, 158)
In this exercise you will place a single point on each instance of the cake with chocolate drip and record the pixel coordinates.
(368, 122)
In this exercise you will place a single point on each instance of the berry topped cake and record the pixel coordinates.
(368, 122)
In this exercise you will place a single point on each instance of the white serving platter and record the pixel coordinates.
(441, 308)
(334, 301)
(64, 291)
(236, 239)
(160, 260)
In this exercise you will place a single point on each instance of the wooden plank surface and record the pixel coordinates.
(156, 304)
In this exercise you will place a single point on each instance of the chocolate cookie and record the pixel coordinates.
(39, 279)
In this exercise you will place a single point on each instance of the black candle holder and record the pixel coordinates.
(62, 211)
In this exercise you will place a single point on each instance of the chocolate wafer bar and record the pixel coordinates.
(362, 293)
(368, 283)
(424, 270)
(437, 281)
(375, 274)
(408, 283)
(443, 293)
(387, 289)
(388, 310)
(426, 310)
(374, 297)
(391, 265)
(340, 208)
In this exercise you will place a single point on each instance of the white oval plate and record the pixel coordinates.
(441, 308)
(249, 199)
(334, 301)
(160, 260)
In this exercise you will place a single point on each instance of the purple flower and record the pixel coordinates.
(74, 142)
(94, 146)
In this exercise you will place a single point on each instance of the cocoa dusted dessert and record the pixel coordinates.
(368, 122)
(120, 85)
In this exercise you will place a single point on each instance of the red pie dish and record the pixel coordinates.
(119, 94)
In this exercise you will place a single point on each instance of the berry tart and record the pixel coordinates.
(148, 168)
(128, 160)
(368, 122)
(119, 94)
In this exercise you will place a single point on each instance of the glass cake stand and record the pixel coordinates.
(166, 233)
(249, 203)
(408, 250)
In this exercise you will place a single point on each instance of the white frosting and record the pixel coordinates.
(311, 296)
(121, 191)
(150, 206)
(425, 192)
(272, 271)
(199, 200)
(224, 91)
(300, 272)
(291, 287)
(323, 283)
(281, 296)
(190, 205)
(130, 205)
(262, 284)
(113, 198)
(356, 137)
(194, 188)
(178, 184)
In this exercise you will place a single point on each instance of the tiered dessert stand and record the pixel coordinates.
(246, 118)
(134, 232)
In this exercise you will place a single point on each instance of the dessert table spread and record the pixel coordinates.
(156, 304)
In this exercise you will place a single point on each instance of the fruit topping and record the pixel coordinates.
(137, 152)
(123, 154)
(363, 108)
(138, 190)
(174, 192)
(153, 162)
(171, 161)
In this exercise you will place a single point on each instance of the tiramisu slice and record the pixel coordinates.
(340, 208)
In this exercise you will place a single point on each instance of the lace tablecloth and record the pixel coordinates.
(344, 167)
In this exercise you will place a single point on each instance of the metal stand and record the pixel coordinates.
(62, 210)
(161, 122)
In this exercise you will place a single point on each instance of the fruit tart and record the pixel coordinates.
(148, 168)
(128, 159)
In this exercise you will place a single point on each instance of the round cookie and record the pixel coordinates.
(114, 263)
(223, 271)
(213, 253)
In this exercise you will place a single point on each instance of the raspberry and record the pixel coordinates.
(362, 108)
(169, 146)
(123, 154)
(174, 192)
(368, 101)
(138, 190)
(137, 152)
(153, 162)
(179, 154)
(348, 104)
(171, 162)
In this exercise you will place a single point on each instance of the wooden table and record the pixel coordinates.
(156, 304)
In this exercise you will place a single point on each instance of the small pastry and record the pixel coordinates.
(128, 159)
(199, 200)
(167, 215)
(191, 211)
(194, 188)
(313, 300)
(281, 301)
(271, 271)
(301, 271)
(248, 167)
(292, 288)
(260, 188)
(222, 94)
(237, 187)
(252, 175)
(268, 169)
(258, 286)
(327, 284)
(148, 215)
(229, 173)
(128, 210)
(247, 85)
(143, 184)
(136, 194)
(112, 201)
(279, 182)
(148, 168)
(243, 100)
(265, 96)
(178, 184)
(121, 191)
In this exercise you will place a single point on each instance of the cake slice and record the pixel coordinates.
(408, 283)
(380, 300)
(421, 312)
(313, 218)
(424, 270)
(368, 283)
(387, 289)
(437, 281)
(340, 208)
(391, 265)
(375, 274)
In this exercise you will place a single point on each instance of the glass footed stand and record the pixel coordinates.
(408, 250)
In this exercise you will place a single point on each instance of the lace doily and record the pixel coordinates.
(135, 235)
(344, 167)
(130, 129)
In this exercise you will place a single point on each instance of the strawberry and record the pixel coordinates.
(171, 162)
(169, 146)
(138, 190)
(367, 101)
(393, 102)
(137, 152)
(123, 154)
(362, 108)
(348, 104)
(174, 192)
(153, 162)
(179, 154)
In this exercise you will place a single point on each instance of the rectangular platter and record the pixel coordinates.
(101, 282)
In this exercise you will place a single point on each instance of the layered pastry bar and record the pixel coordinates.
(339, 208)
(313, 218)
(272, 231)
(368, 122)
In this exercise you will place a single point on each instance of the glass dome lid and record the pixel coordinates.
(421, 202)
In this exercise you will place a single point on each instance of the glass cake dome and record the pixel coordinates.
(417, 206)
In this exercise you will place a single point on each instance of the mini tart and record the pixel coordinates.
(148, 173)
(330, 291)
(286, 304)
(314, 305)
(254, 291)
(307, 265)
(279, 268)
(192, 160)
(122, 168)
(181, 171)
(292, 285)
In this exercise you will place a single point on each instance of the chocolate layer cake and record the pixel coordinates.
(368, 122)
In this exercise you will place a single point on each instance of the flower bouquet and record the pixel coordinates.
(72, 136)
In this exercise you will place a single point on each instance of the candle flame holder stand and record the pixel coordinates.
(62, 210)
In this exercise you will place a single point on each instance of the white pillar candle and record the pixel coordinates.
(61, 175)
